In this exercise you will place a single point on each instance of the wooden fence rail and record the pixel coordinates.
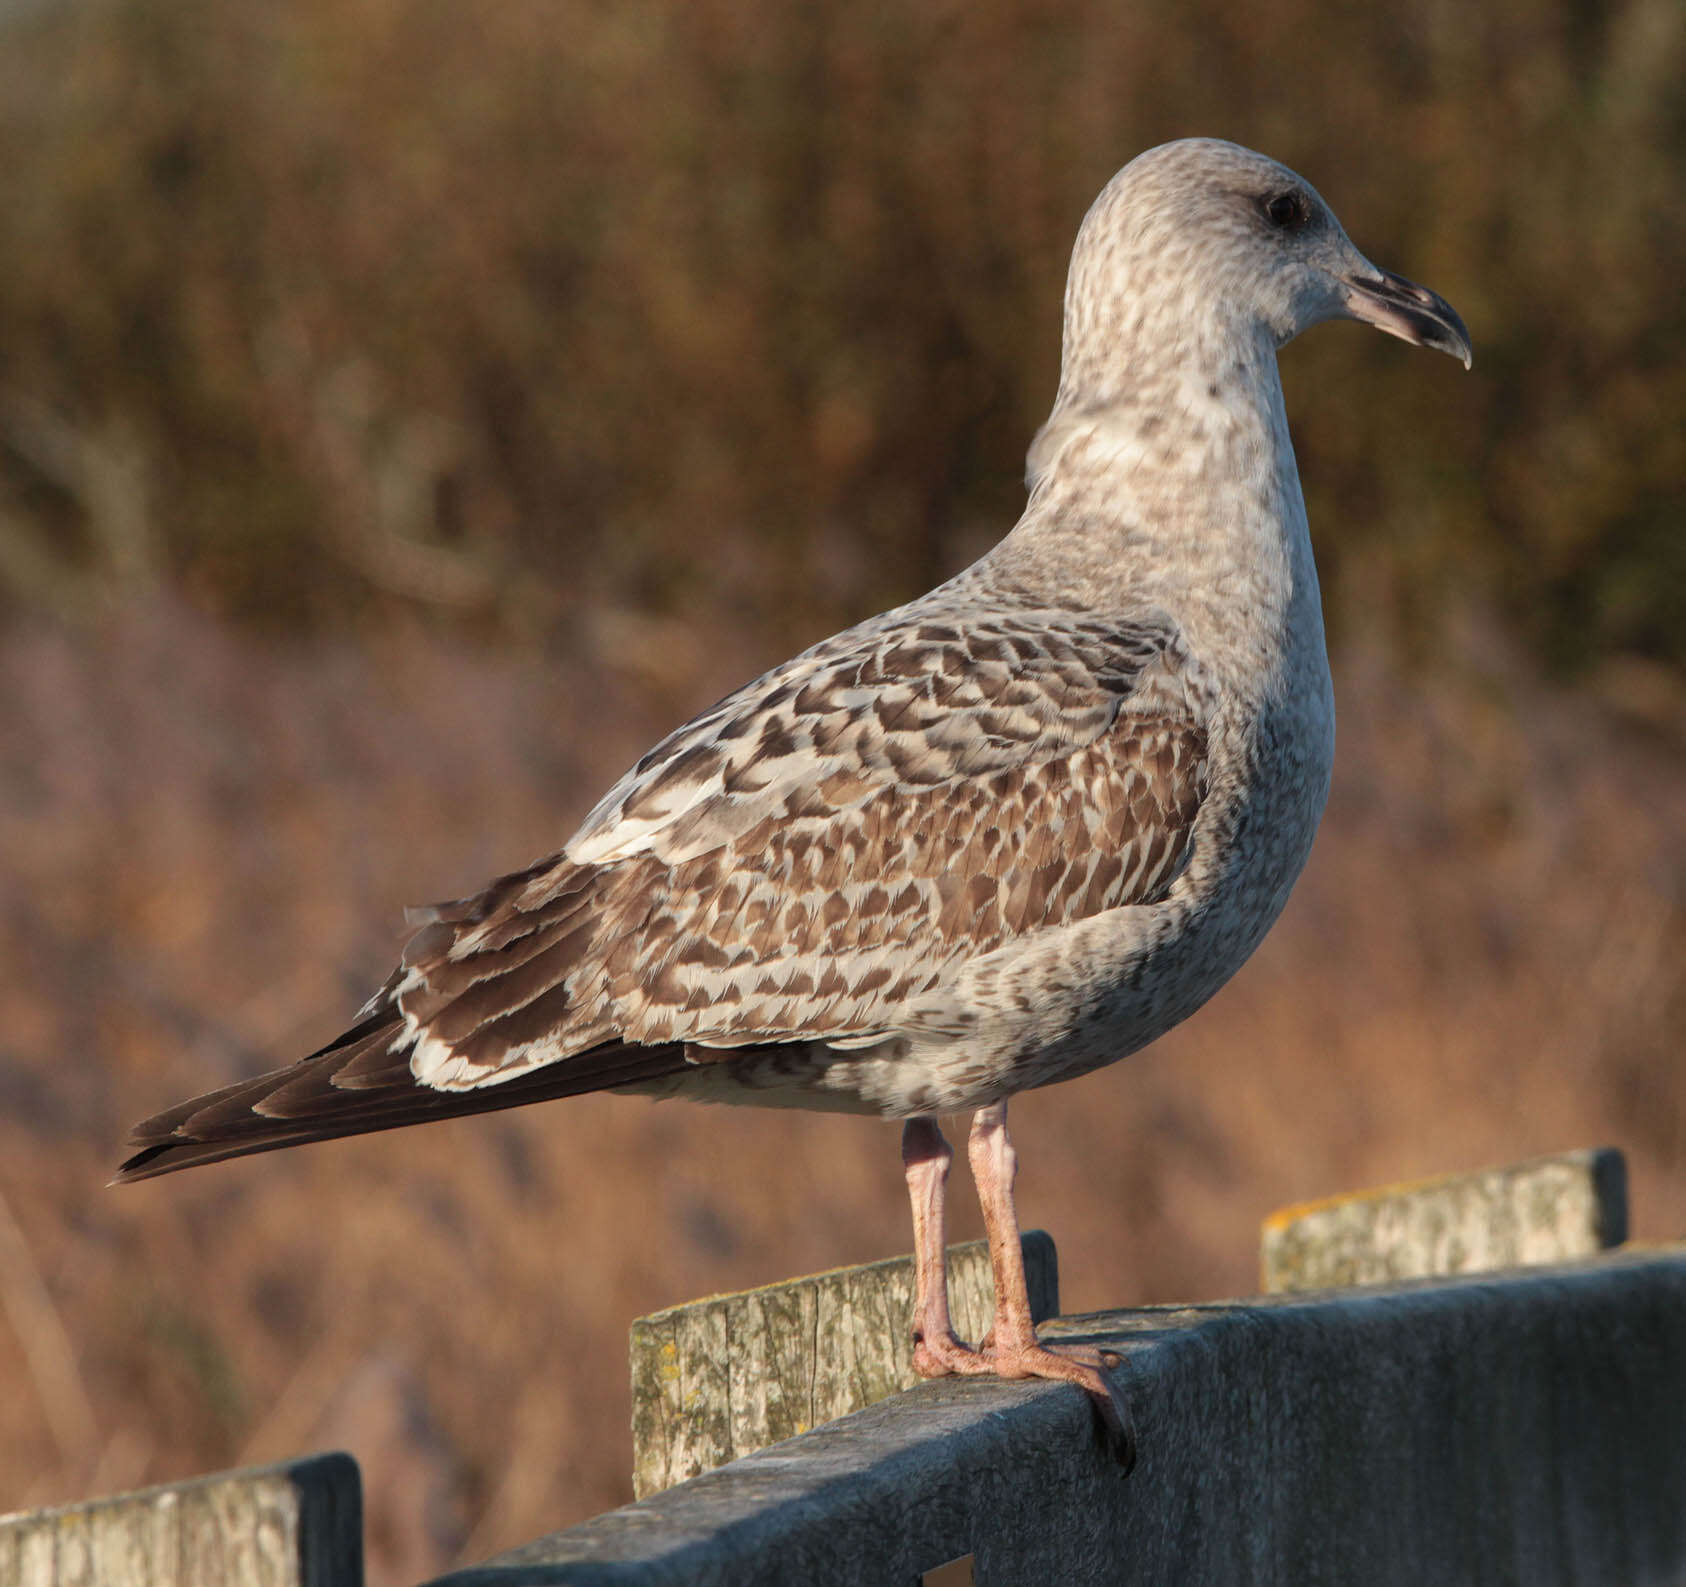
(1527, 1426)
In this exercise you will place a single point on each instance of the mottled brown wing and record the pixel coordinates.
(829, 844)
(799, 863)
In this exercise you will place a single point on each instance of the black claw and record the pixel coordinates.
(1121, 1445)
(1118, 1428)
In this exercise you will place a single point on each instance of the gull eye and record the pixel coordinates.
(1287, 211)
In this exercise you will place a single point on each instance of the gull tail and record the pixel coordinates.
(358, 1083)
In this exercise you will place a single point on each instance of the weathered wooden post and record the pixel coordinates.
(1549, 1209)
(297, 1524)
(718, 1379)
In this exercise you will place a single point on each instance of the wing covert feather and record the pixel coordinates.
(825, 845)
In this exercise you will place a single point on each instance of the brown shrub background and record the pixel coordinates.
(408, 413)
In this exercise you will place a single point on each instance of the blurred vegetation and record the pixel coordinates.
(310, 310)
(569, 317)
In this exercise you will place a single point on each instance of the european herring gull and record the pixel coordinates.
(995, 838)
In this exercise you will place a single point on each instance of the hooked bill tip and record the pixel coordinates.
(1408, 311)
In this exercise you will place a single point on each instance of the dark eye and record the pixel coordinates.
(1287, 211)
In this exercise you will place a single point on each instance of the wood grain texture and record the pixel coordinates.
(720, 1378)
(298, 1524)
(1550, 1209)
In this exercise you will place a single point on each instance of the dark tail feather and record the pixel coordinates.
(355, 1085)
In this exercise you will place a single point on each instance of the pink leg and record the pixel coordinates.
(936, 1351)
(1013, 1351)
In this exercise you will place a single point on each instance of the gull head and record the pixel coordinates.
(1202, 242)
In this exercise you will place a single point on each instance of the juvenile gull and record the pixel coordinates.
(995, 838)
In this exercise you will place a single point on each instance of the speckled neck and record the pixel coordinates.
(1178, 493)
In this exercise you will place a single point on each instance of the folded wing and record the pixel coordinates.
(799, 863)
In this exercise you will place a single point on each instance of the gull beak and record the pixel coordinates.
(1406, 310)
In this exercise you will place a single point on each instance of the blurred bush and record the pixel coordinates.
(316, 308)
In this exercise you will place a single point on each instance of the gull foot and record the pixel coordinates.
(1089, 1355)
(1085, 1366)
(942, 1356)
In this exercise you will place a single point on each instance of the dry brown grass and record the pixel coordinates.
(343, 304)
(206, 842)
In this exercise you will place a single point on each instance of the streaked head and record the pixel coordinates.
(1202, 234)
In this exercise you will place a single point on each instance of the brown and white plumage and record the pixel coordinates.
(787, 876)
(811, 858)
(992, 839)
